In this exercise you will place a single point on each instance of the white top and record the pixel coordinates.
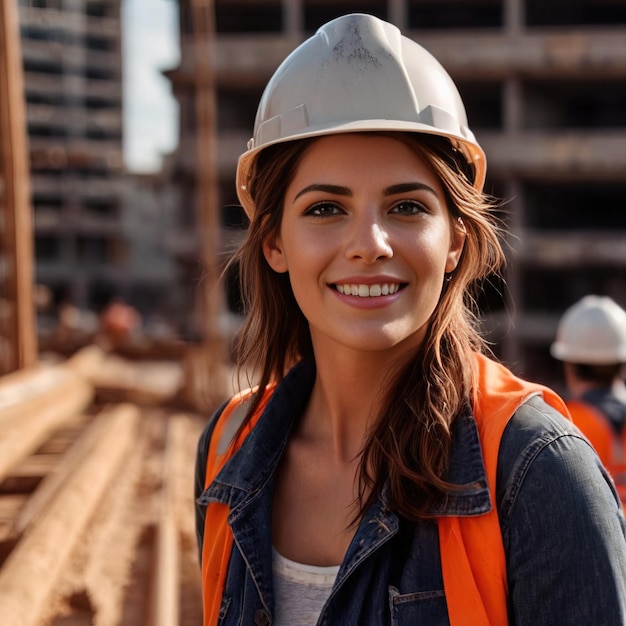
(300, 591)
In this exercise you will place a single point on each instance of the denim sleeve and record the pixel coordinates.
(562, 525)
(200, 476)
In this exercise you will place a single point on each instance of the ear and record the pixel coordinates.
(274, 254)
(457, 242)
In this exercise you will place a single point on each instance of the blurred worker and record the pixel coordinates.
(591, 342)
(117, 323)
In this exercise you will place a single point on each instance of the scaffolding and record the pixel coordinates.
(545, 94)
(18, 340)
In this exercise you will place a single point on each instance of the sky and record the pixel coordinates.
(150, 45)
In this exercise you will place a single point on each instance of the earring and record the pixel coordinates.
(447, 277)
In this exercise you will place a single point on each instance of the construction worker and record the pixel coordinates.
(591, 342)
(118, 321)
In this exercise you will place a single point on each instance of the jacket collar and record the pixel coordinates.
(254, 464)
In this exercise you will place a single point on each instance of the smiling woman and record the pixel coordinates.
(385, 470)
(378, 219)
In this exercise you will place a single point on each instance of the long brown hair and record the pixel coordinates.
(408, 446)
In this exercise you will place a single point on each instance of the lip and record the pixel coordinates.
(367, 280)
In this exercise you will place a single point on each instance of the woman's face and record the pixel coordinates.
(366, 238)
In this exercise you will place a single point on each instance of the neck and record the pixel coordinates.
(578, 387)
(346, 399)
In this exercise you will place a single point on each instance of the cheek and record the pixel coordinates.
(431, 249)
(307, 261)
(305, 251)
(305, 289)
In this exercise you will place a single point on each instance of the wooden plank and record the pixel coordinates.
(25, 390)
(175, 526)
(63, 438)
(43, 553)
(213, 351)
(166, 596)
(65, 468)
(25, 425)
(35, 465)
(87, 361)
(17, 233)
(107, 560)
(206, 179)
(10, 506)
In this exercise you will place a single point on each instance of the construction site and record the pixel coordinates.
(99, 423)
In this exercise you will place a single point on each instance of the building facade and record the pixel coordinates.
(72, 60)
(545, 90)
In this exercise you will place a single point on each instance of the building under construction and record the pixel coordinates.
(545, 90)
(72, 61)
(130, 559)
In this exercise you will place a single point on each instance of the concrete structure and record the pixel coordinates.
(545, 89)
(150, 207)
(73, 83)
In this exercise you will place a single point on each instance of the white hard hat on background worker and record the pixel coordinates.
(591, 342)
(592, 331)
(391, 73)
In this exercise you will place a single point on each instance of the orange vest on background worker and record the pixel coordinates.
(472, 554)
(610, 446)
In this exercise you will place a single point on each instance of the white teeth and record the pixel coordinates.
(368, 291)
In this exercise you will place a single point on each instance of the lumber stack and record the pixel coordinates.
(95, 503)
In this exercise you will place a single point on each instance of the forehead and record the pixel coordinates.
(350, 155)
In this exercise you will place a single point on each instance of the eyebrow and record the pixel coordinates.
(338, 190)
(404, 187)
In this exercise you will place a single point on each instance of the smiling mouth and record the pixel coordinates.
(368, 291)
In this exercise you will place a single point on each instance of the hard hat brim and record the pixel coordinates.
(592, 331)
(562, 353)
(468, 146)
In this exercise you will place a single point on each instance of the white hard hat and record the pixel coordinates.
(358, 73)
(592, 331)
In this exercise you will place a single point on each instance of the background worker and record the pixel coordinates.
(591, 342)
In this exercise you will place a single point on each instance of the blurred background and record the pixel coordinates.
(120, 125)
(121, 149)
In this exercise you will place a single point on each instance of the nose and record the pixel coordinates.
(368, 240)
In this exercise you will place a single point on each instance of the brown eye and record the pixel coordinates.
(409, 207)
(323, 209)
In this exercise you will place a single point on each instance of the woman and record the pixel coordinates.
(385, 472)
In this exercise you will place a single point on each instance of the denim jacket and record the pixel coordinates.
(561, 520)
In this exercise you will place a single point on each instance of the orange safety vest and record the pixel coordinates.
(472, 554)
(610, 446)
